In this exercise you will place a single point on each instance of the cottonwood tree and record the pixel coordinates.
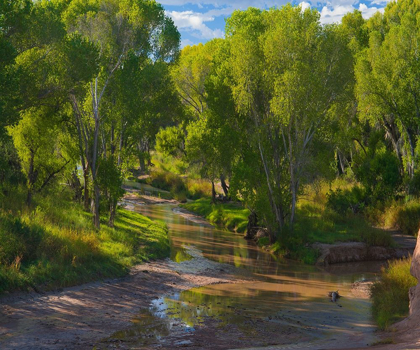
(117, 28)
(199, 79)
(388, 79)
(287, 72)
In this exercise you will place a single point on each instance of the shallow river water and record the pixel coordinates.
(288, 296)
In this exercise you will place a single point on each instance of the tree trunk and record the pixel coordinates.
(142, 163)
(213, 192)
(112, 212)
(96, 217)
(86, 188)
(76, 186)
(225, 187)
(29, 197)
(32, 176)
(252, 224)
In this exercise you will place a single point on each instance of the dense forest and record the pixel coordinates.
(280, 110)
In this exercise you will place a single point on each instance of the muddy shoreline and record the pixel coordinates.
(85, 316)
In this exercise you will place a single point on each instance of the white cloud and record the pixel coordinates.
(305, 5)
(368, 12)
(194, 22)
(186, 42)
(330, 14)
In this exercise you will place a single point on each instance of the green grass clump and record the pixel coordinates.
(390, 294)
(316, 223)
(56, 245)
(404, 217)
(179, 187)
(229, 215)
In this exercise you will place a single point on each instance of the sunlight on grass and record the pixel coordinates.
(57, 246)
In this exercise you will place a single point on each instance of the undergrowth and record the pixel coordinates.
(56, 245)
(390, 294)
(229, 215)
(180, 187)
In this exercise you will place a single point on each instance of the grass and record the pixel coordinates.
(403, 216)
(390, 294)
(229, 215)
(316, 223)
(147, 189)
(180, 188)
(56, 245)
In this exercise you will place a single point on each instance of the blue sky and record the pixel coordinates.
(202, 20)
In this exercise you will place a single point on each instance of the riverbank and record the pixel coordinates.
(87, 316)
(56, 245)
(319, 236)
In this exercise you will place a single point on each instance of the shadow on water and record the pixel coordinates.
(289, 297)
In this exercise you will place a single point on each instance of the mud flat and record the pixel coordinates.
(81, 317)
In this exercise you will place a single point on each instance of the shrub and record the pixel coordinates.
(18, 240)
(404, 217)
(390, 294)
(343, 201)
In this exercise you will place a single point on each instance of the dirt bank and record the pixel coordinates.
(343, 252)
(80, 317)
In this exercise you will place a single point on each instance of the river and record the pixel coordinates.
(284, 298)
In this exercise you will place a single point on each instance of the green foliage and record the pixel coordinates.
(379, 173)
(57, 246)
(229, 215)
(390, 294)
(404, 217)
(347, 200)
(170, 141)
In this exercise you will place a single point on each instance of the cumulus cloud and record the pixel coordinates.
(196, 14)
(194, 22)
(334, 14)
(305, 5)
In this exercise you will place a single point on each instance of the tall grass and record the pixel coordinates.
(229, 215)
(56, 245)
(180, 188)
(403, 216)
(390, 294)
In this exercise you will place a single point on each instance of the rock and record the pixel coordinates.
(415, 291)
(262, 232)
(354, 252)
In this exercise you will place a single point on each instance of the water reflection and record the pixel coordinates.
(288, 293)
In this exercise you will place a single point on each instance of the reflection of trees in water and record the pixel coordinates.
(145, 330)
(195, 305)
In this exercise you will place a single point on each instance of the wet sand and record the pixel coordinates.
(83, 317)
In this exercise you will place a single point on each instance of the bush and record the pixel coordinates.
(379, 173)
(390, 294)
(404, 217)
(180, 188)
(166, 181)
(343, 201)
